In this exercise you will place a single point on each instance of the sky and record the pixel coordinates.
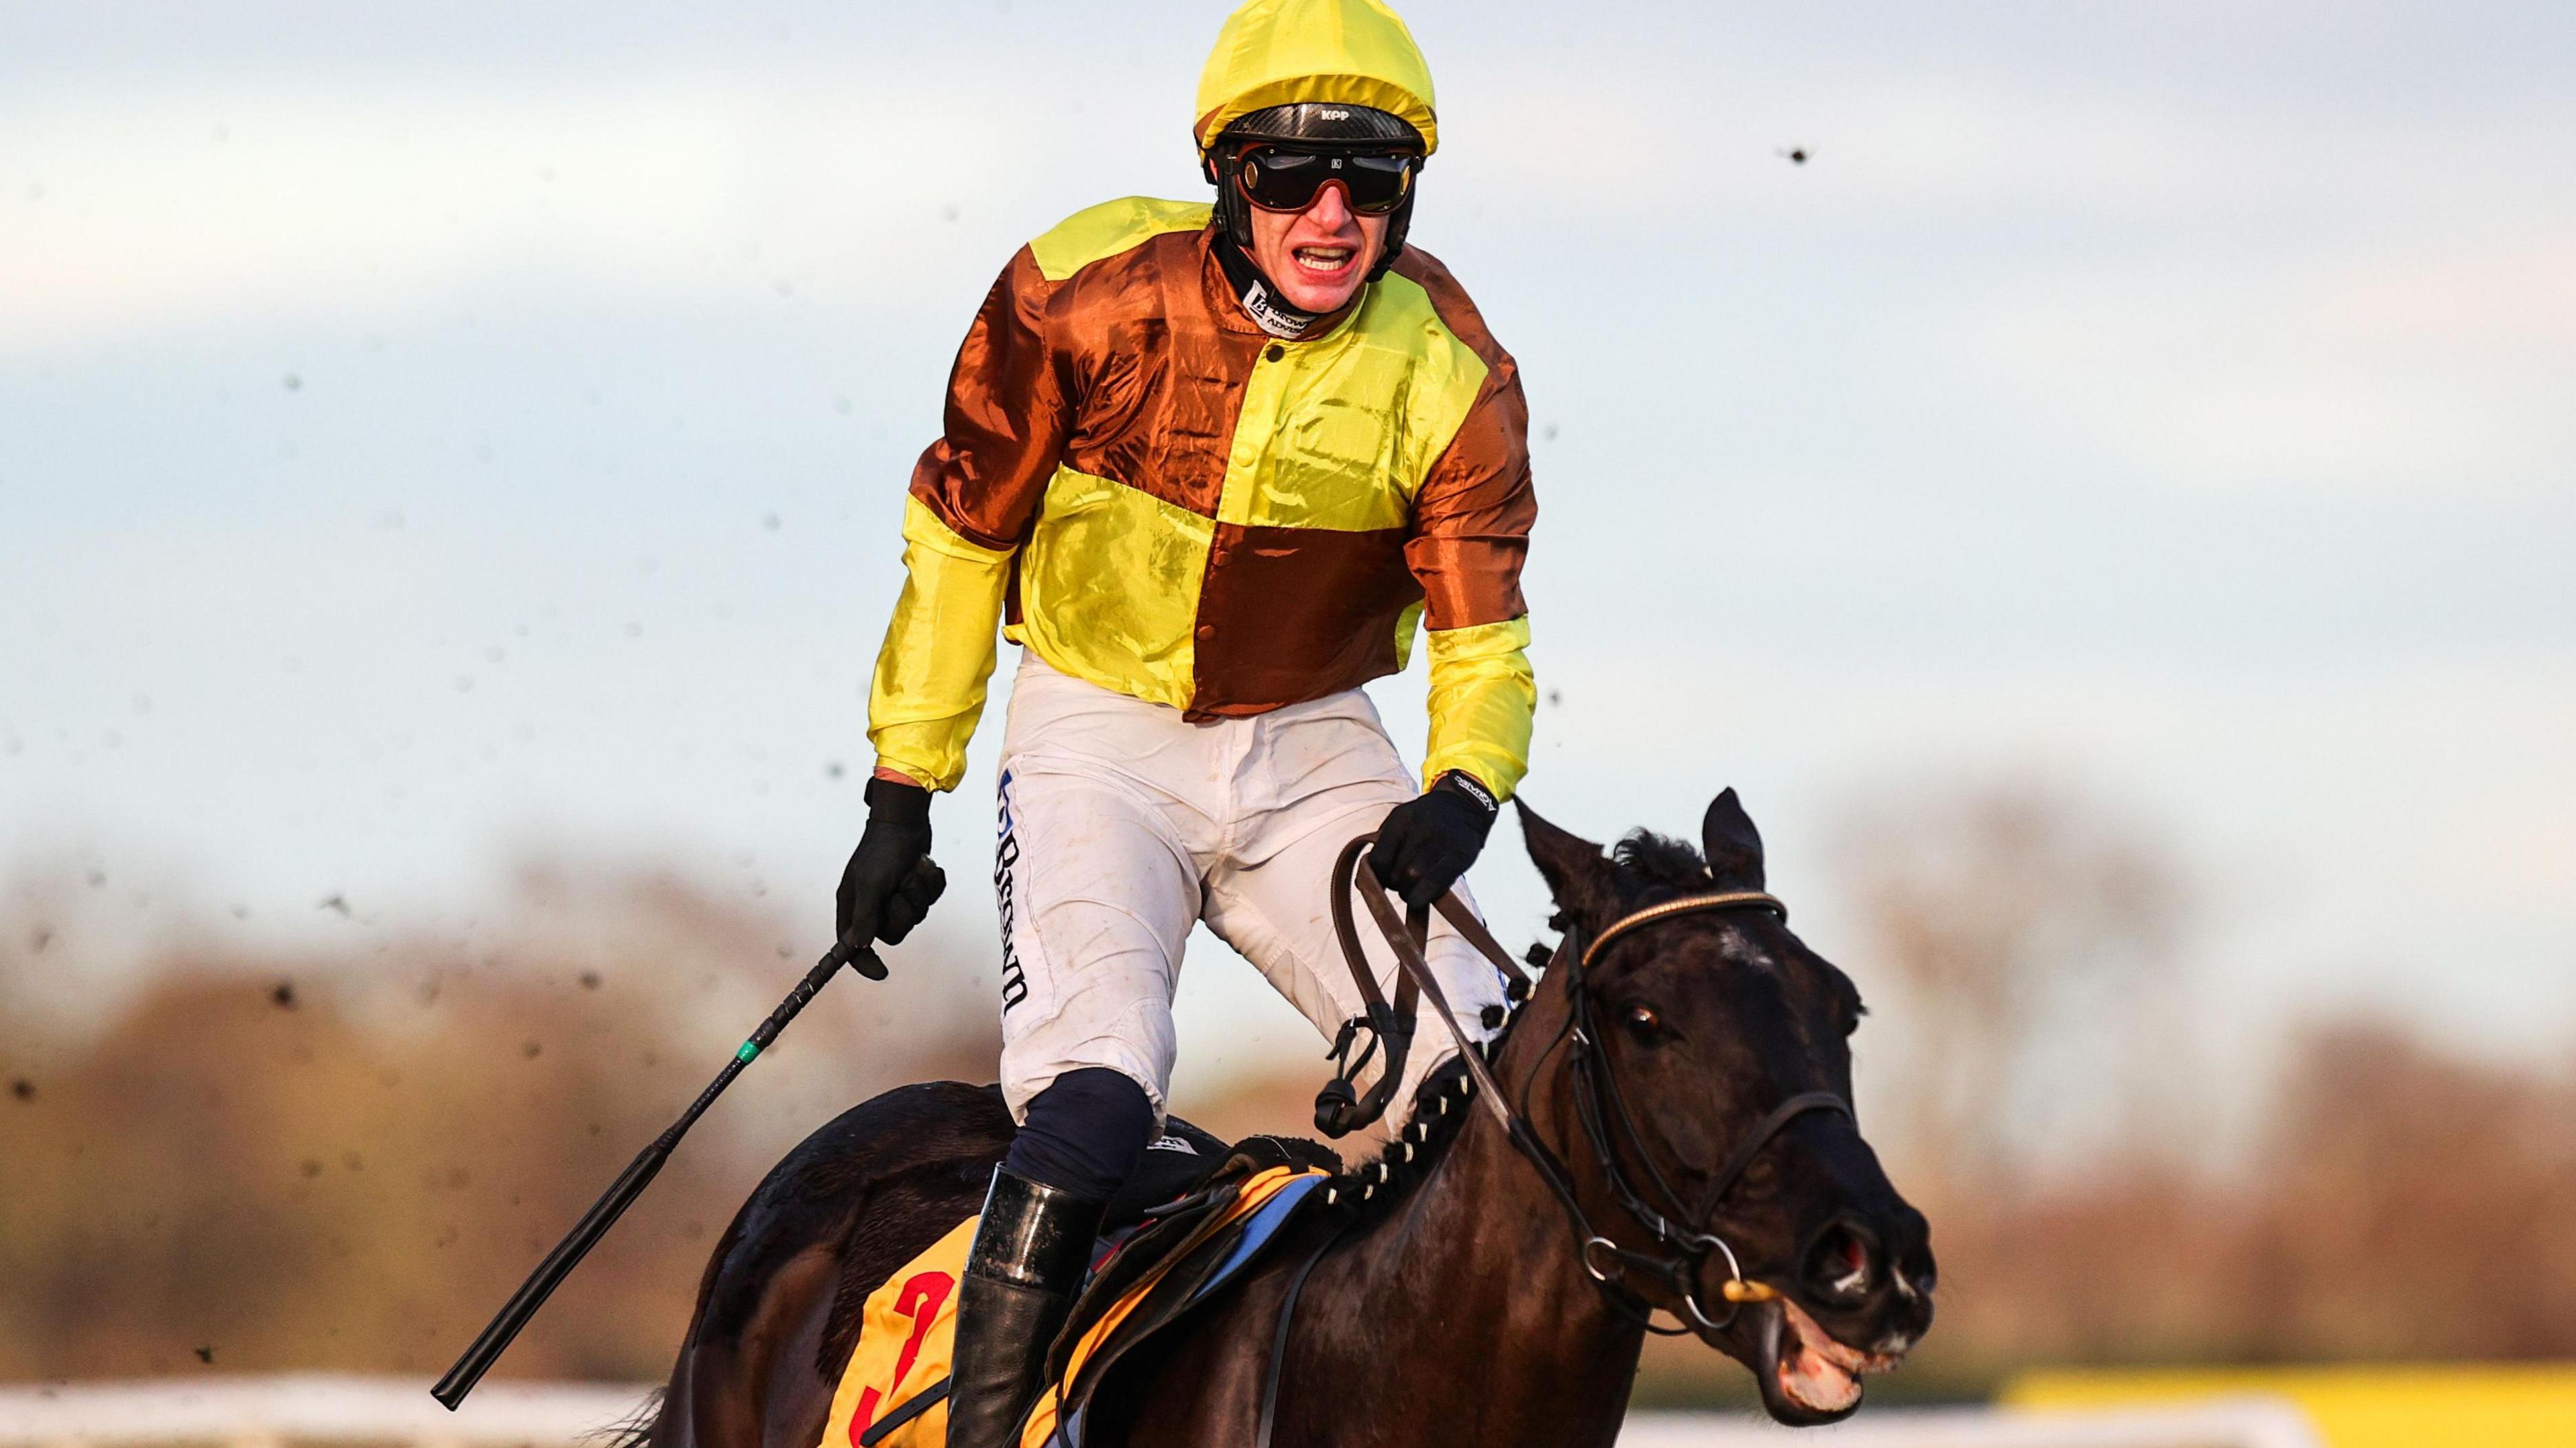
(436, 435)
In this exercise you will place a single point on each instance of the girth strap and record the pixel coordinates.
(1269, 1419)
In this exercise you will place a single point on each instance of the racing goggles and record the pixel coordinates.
(1373, 182)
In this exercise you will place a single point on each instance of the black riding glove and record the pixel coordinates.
(1429, 841)
(890, 882)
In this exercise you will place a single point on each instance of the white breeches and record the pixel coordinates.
(1122, 825)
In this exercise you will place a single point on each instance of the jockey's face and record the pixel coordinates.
(1318, 256)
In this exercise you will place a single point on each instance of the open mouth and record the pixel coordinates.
(1323, 260)
(1807, 1371)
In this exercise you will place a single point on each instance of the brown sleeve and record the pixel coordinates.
(1007, 418)
(1472, 517)
(1471, 521)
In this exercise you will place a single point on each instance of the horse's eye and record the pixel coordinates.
(1644, 1024)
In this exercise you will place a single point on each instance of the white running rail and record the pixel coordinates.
(315, 1408)
(268, 1412)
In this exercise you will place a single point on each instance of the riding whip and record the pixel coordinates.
(621, 1194)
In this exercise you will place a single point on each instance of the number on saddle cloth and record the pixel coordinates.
(893, 1393)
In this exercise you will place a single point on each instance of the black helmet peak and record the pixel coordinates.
(1325, 123)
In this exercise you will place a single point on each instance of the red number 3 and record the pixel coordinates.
(920, 1300)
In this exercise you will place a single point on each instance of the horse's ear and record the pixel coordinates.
(1733, 846)
(1582, 880)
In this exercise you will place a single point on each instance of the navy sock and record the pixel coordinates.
(1084, 1134)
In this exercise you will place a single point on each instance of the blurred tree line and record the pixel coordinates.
(347, 1159)
(2383, 1198)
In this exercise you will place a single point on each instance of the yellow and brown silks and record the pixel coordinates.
(1139, 484)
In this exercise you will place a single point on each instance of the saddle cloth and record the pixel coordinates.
(894, 1392)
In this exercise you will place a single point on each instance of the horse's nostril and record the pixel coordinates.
(1844, 1261)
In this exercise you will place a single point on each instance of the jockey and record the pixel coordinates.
(1210, 467)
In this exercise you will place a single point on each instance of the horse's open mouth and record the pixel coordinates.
(1806, 1371)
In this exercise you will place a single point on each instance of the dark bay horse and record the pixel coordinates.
(1460, 1305)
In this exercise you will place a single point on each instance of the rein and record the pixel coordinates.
(1683, 1232)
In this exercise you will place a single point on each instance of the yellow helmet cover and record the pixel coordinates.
(1279, 52)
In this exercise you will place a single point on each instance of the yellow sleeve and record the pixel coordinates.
(1482, 700)
(929, 685)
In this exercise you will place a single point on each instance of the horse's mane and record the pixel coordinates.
(1661, 860)
(1440, 1107)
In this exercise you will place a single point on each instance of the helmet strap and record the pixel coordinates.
(1398, 223)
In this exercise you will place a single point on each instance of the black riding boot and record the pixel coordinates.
(1021, 1274)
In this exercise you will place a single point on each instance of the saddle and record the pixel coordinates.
(1194, 1215)
(1189, 1221)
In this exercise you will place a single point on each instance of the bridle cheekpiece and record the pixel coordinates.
(1674, 1224)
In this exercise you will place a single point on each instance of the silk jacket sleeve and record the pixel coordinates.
(973, 496)
(1471, 525)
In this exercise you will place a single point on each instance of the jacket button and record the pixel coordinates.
(1276, 352)
(1206, 631)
